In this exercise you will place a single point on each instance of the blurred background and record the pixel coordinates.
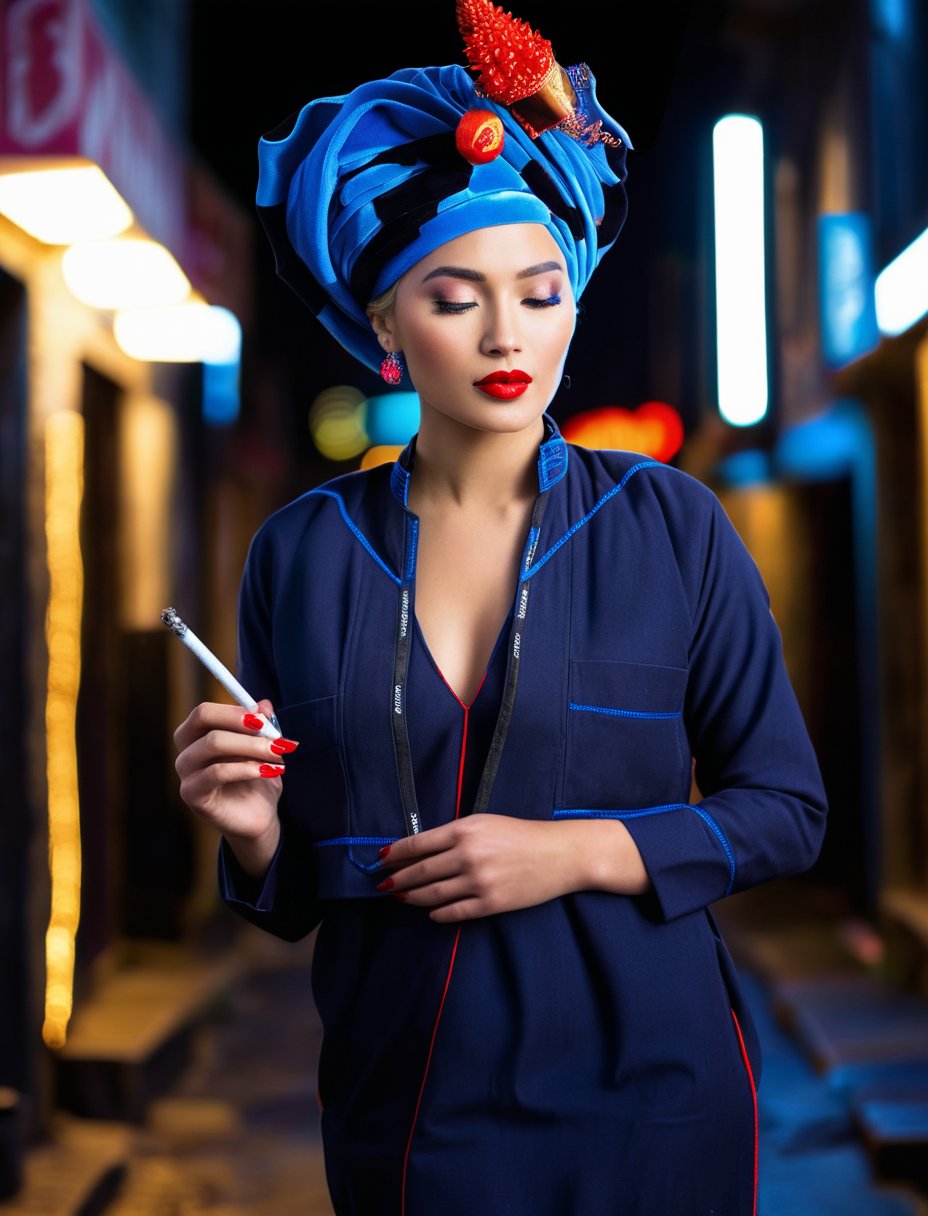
(761, 324)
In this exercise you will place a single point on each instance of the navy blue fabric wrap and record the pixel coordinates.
(355, 190)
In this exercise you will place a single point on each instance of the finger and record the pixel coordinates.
(197, 789)
(438, 894)
(219, 744)
(465, 909)
(423, 844)
(420, 873)
(207, 716)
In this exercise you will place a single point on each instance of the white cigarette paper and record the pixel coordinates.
(271, 727)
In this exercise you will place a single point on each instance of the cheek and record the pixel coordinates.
(560, 338)
(431, 347)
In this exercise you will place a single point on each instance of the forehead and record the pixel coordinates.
(501, 249)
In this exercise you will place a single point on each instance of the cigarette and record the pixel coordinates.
(271, 728)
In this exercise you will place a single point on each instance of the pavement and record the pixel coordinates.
(237, 1133)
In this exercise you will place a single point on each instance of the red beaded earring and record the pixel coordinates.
(392, 368)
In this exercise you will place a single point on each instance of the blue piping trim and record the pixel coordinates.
(552, 462)
(350, 840)
(642, 464)
(410, 572)
(626, 713)
(358, 533)
(583, 813)
(707, 819)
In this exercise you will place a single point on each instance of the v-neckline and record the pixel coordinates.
(465, 705)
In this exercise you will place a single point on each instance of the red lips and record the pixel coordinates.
(504, 386)
(513, 377)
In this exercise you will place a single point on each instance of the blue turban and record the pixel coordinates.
(354, 190)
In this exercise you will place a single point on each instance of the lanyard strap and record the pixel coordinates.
(404, 626)
(514, 661)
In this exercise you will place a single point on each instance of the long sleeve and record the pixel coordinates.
(285, 902)
(763, 811)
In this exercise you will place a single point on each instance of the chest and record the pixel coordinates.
(467, 571)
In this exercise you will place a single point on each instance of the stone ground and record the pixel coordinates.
(238, 1135)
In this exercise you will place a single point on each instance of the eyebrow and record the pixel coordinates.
(474, 276)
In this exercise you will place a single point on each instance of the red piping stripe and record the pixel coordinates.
(750, 1072)
(428, 1061)
(457, 801)
(453, 693)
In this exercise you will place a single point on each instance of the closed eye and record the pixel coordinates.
(547, 302)
(452, 306)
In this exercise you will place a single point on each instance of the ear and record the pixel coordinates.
(383, 329)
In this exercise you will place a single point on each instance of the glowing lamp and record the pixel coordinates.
(126, 272)
(902, 288)
(64, 489)
(741, 309)
(655, 429)
(63, 205)
(192, 332)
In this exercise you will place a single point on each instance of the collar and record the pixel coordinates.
(552, 462)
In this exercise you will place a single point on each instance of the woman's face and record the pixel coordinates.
(484, 324)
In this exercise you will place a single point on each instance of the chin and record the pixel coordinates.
(503, 417)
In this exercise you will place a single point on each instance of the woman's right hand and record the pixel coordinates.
(231, 777)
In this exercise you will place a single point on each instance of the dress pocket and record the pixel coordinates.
(314, 794)
(626, 741)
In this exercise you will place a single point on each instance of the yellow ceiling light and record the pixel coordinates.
(192, 332)
(124, 272)
(63, 205)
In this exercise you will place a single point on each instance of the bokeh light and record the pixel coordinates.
(655, 429)
(337, 422)
(59, 206)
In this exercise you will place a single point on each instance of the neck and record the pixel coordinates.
(461, 466)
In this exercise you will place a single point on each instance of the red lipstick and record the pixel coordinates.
(504, 386)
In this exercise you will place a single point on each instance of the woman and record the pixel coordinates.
(494, 663)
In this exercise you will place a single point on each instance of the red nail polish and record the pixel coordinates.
(385, 885)
(252, 721)
(384, 851)
(400, 896)
(280, 747)
(270, 770)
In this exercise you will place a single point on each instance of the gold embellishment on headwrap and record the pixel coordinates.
(576, 124)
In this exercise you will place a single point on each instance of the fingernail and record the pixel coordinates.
(252, 721)
(400, 896)
(385, 885)
(280, 747)
(270, 770)
(384, 851)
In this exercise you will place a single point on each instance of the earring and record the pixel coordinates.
(392, 368)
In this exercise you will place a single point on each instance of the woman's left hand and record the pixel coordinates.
(484, 864)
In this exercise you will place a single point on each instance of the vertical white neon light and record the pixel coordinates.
(901, 289)
(741, 309)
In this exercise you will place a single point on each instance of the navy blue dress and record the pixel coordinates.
(591, 1056)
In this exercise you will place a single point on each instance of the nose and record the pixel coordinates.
(501, 336)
